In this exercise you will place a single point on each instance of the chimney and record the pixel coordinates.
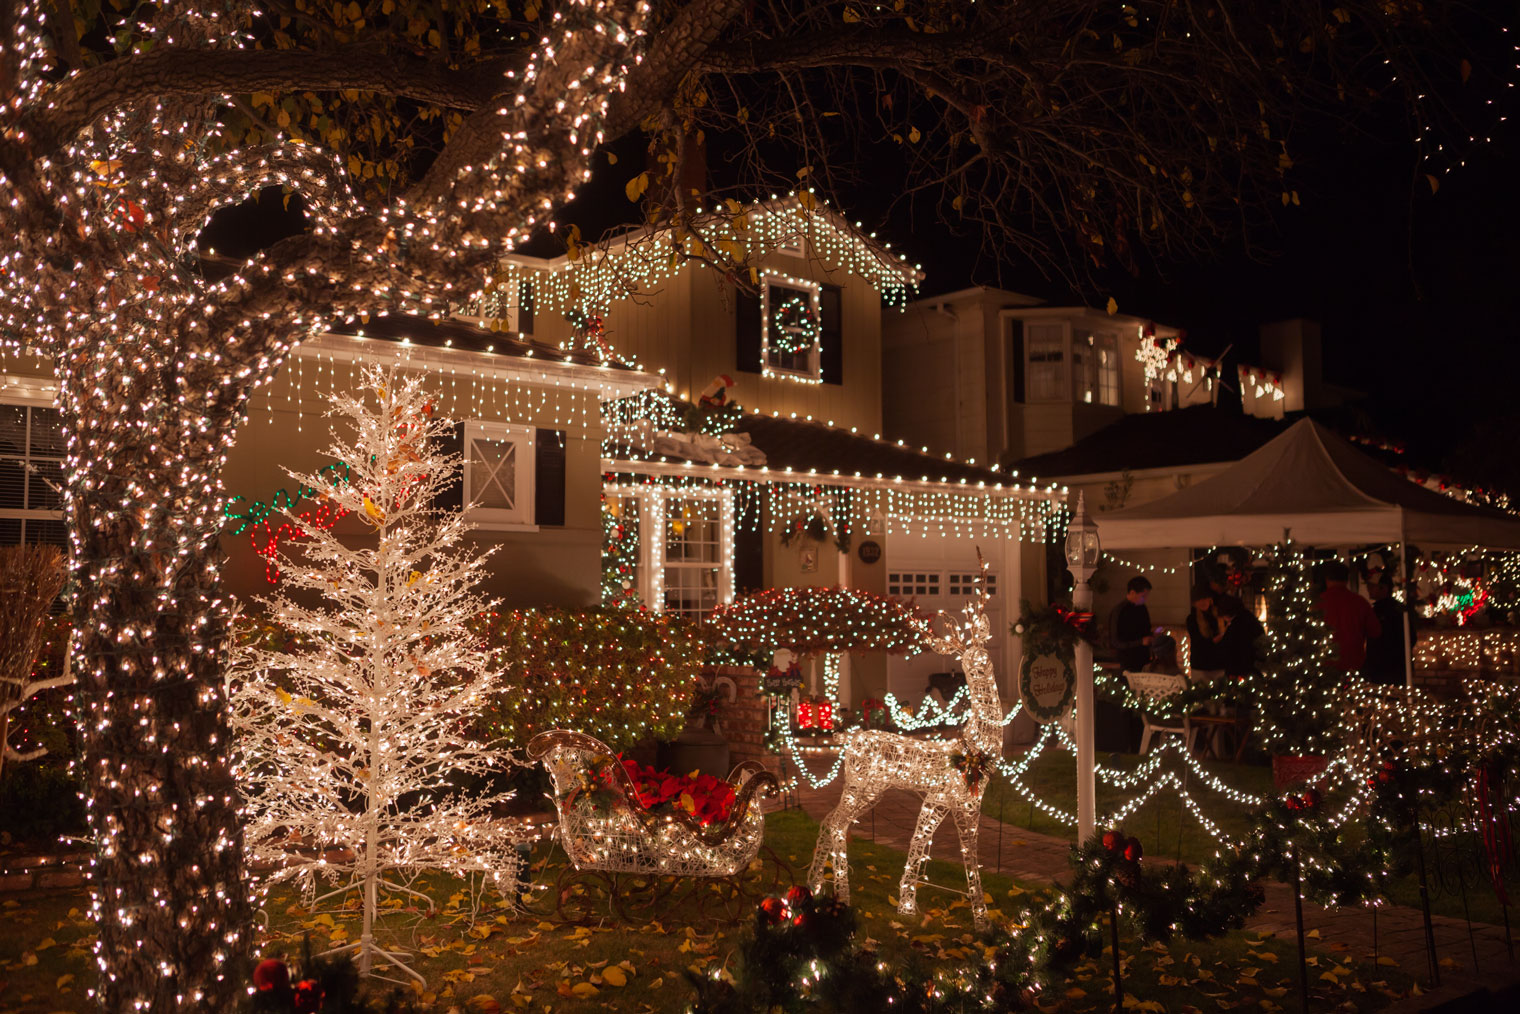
(1292, 348)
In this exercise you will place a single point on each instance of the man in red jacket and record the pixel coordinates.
(1349, 615)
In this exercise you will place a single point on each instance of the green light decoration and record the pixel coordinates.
(620, 552)
(257, 518)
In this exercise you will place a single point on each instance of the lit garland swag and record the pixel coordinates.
(804, 954)
(811, 619)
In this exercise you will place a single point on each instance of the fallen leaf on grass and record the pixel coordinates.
(63, 981)
(614, 976)
(483, 1003)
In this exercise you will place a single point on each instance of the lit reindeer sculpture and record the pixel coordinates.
(949, 774)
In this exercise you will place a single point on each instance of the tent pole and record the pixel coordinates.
(1408, 605)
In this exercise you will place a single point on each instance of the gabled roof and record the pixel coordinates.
(1199, 435)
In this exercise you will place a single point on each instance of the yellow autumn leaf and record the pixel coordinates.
(851, 15)
(1113, 306)
(483, 1003)
(584, 989)
(285, 698)
(635, 187)
(614, 976)
(63, 981)
(914, 135)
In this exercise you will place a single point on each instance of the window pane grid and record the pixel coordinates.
(31, 475)
(693, 556)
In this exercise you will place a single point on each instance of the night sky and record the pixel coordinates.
(1413, 288)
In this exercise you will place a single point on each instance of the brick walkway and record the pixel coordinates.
(1466, 960)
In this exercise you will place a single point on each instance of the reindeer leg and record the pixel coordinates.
(929, 819)
(968, 823)
(833, 846)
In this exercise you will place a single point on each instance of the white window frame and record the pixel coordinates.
(814, 372)
(654, 507)
(1062, 341)
(520, 518)
(25, 514)
(1106, 342)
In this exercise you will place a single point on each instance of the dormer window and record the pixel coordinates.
(1096, 361)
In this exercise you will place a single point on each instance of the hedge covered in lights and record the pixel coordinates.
(621, 675)
(810, 619)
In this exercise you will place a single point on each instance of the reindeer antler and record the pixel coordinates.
(976, 629)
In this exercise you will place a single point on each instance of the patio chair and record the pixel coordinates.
(1156, 686)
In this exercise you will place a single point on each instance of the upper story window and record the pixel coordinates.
(1095, 358)
(31, 475)
(1045, 362)
(791, 329)
(499, 474)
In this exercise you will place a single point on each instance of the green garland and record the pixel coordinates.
(804, 955)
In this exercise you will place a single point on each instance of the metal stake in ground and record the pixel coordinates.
(1298, 920)
(1113, 923)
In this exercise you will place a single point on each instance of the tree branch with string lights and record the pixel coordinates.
(427, 140)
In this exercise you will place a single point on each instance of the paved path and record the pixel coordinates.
(1466, 958)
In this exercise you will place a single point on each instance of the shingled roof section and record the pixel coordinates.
(1199, 435)
(467, 337)
(801, 446)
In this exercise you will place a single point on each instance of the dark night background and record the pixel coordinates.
(1413, 288)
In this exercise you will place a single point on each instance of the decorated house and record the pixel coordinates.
(762, 463)
(638, 429)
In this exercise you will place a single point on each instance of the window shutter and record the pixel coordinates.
(1016, 329)
(747, 331)
(549, 477)
(451, 496)
(749, 559)
(831, 334)
(525, 308)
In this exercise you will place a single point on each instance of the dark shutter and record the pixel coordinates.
(749, 559)
(524, 307)
(1016, 347)
(549, 477)
(747, 331)
(451, 497)
(831, 334)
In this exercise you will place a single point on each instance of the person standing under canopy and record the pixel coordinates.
(1129, 626)
(1385, 652)
(1349, 615)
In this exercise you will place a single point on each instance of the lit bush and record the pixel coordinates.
(621, 675)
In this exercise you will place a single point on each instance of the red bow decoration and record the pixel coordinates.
(1075, 620)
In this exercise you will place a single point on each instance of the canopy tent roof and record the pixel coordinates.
(1317, 486)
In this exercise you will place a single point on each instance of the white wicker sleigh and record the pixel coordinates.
(605, 829)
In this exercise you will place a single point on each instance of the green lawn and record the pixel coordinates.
(523, 962)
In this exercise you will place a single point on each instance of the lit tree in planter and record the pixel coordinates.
(1296, 693)
(356, 735)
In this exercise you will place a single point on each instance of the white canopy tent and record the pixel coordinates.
(1317, 486)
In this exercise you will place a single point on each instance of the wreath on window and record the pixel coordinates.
(794, 327)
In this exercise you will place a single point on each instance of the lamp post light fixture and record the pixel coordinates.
(1083, 552)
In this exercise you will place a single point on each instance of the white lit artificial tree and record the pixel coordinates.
(124, 128)
(354, 728)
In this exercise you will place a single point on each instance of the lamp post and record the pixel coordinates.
(1082, 554)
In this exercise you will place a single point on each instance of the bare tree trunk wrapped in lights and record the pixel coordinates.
(948, 774)
(356, 735)
(30, 579)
